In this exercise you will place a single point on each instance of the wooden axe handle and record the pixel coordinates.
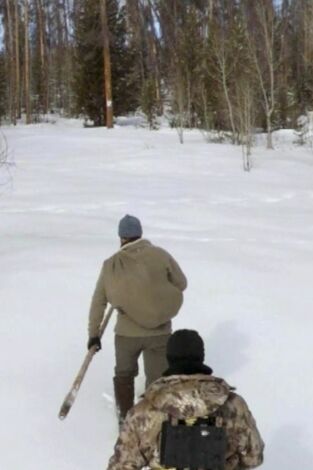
(71, 396)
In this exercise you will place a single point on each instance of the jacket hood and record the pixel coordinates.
(185, 396)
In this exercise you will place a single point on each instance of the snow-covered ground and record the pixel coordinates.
(245, 241)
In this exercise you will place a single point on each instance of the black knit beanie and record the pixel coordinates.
(185, 345)
(185, 354)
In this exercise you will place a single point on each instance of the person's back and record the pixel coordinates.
(145, 285)
(144, 282)
(188, 391)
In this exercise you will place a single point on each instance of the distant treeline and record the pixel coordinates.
(226, 65)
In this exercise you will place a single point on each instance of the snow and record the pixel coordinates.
(243, 239)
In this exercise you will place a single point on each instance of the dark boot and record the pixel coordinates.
(124, 391)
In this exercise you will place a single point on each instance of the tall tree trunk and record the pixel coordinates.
(12, 58)
(43, 56)
(269, 137)
(136, 27)
(265, 63)
(26, 65)
(107, 65)
(17, 60)
(227, 97)
(154, 52)
(68, 58)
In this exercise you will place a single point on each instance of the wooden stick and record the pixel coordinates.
(71, 396)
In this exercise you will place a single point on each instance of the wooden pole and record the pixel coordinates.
(72, 394)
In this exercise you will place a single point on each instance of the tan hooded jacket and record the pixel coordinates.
(145, 284)
(183, 397)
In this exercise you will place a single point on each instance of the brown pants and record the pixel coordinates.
(128, 350)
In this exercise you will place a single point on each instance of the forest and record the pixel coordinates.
(230, 66)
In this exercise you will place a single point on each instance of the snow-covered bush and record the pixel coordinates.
(304, 130)
(3, 150)
(5, 163)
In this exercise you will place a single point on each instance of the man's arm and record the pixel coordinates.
(250, 443)
(176, 275)
(97, 307)
(127, 454)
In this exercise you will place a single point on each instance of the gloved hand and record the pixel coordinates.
(95, 341)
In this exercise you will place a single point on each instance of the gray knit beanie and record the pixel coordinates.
(129, 227)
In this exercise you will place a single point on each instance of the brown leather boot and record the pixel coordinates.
(124, 391)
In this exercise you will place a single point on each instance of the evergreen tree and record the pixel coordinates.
(88, 78)
(88, 75)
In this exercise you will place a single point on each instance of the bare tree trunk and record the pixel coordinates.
(26, 65)
(17, 61)
(140, 40)
(266, 77)
(222, 66)
(181, 105)
(243, 119)
(206, 115)
(106, 65)
(229, 104)
(154, 52)
(189, 112)
(269, 136)
(210, 9)
(68, 64)
(223, 71)
(308, 45)
(43, 55)
(247, 124)
(11, 51)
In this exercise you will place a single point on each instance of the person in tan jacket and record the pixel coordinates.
(145, 285)
(221, 430)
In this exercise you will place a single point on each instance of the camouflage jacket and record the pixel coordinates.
(182, 397)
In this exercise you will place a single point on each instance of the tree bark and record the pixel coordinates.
(11, 53)
(266, 77)
(68, 59)
(43, 57)
(17, 61)
(222, 65)
(153, 45)
(107, 66)
(26, 65)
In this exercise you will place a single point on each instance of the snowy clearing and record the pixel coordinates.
(243, 239)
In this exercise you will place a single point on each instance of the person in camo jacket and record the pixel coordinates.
(187, 390)
(145, 285)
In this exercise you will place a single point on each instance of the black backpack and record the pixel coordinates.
(201, 445)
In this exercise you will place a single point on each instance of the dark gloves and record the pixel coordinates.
(94, 342)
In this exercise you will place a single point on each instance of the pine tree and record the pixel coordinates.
(88, 83)
(124, 86)
(88, 67)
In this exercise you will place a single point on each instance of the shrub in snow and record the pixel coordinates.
(132, 119)
(304, 130)
(3, 150)
(6, 161)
